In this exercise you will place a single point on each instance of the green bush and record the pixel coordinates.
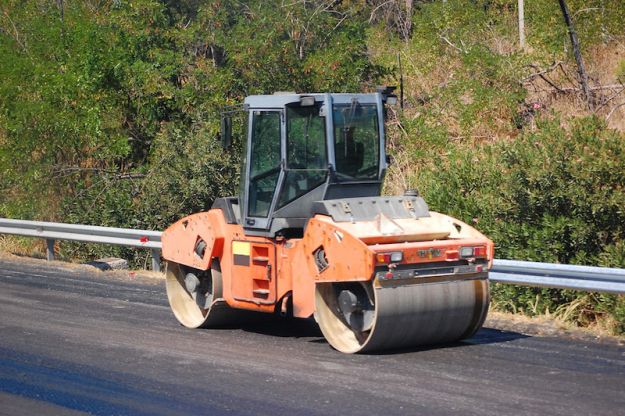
(552, 195)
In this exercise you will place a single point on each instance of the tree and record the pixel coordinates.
(395, 14)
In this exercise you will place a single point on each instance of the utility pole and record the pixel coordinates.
(521, 25)
(583, 76)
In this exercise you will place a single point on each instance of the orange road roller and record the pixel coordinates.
(310, 234)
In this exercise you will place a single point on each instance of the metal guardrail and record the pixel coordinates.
(526, 273)
(52, 231)
(561, 276)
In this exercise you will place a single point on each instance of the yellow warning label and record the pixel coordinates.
(241, 248)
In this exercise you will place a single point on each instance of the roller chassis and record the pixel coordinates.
(309, 234)
(426, 297)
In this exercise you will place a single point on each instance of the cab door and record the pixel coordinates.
(263, 170)
(253, 273)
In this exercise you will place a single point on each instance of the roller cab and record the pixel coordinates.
(309, 234)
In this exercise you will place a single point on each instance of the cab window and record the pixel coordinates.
(356, 141)
(264, 162)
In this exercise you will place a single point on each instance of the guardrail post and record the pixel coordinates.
(49, 249)
(156, 260)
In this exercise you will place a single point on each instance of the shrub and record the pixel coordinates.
(551, 195)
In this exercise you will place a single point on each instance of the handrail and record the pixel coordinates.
(561, 276)
(526, 273)
(52, 231)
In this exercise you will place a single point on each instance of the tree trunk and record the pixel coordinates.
(408, 24)
(61, 7)
(578, 54)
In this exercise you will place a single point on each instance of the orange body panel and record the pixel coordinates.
(259, 272)
(180, 238)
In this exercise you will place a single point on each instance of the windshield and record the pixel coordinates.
(356, 141)
(307, 162)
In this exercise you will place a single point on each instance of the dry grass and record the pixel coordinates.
(603, 63)
(578, 315)
(549, 325)
(23, 246)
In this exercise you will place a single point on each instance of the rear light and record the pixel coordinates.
(478, 251)
(383, 258)
(387, 258)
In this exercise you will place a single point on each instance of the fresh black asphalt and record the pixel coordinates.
(77, 341)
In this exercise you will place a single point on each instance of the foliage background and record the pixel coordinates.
(109, 112)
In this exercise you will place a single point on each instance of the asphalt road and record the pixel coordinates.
(73, 341)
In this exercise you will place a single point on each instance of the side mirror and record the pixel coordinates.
(389, 160)
(226, 131)
(391, 99)
(388, 95)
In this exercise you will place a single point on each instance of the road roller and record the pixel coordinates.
(310, 235)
